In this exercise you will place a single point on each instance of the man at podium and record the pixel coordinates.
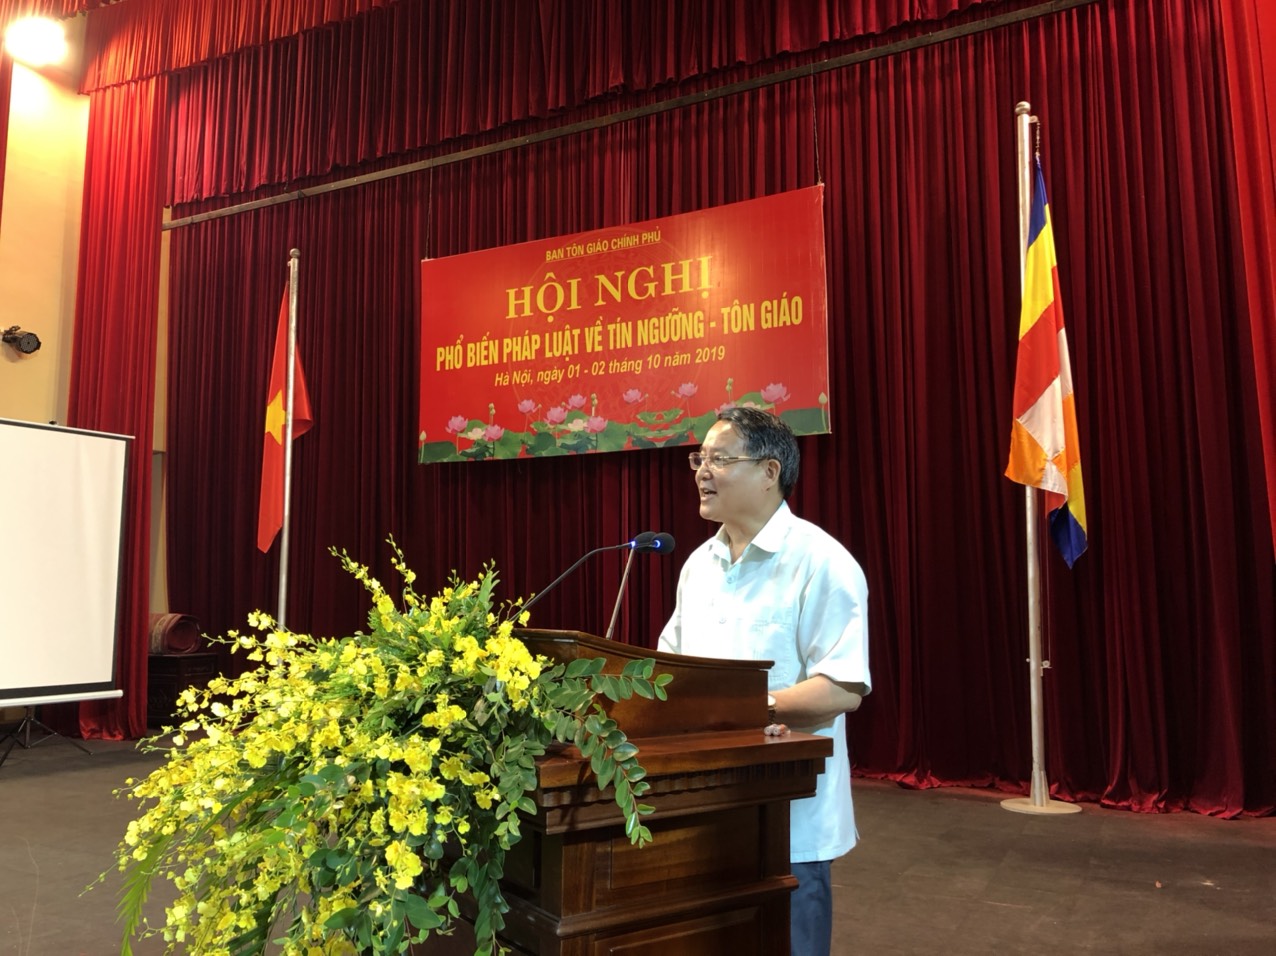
(772, 586)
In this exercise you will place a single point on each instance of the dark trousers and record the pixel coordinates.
(811, 910)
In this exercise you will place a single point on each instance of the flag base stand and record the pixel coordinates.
(1025, 805)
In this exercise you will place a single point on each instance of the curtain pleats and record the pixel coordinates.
(1249, 35)
(11, 10)
(1160, 640)
(6, 92)
(411, 75)
(112, 386)
(584, 39)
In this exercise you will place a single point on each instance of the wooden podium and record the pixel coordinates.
(715, 879)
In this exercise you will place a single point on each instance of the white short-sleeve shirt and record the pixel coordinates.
(796, 597)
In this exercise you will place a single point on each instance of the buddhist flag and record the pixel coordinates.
(270, 517)
(1044, 448)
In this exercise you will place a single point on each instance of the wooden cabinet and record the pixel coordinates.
(169, 675)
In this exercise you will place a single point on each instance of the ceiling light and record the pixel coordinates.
(36, 41)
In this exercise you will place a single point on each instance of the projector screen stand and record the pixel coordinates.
(21, 734)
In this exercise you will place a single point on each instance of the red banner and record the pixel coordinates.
(626, 338)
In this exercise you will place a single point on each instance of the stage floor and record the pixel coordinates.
(938, 871)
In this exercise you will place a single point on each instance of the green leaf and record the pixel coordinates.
(393, 934)
(600, 762)
(585, 667)
(806, 421)
(639, 667)
(344, 919)
(605, 774)
(436, 451)
(421, 914)
(137, 885)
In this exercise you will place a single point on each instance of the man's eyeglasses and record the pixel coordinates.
(716, 462)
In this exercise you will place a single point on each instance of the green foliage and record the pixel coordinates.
(341, 795)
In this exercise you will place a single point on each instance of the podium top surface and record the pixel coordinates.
(706, 694)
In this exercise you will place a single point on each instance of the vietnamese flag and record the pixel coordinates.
(270, 518)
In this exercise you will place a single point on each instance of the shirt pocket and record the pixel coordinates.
(772, 635)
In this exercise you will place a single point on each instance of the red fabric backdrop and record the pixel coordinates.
(1249, 33)
(6, 92)
(113, 368)
(1162, 639)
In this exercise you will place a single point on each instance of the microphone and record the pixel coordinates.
(660, 542)
(647, 541)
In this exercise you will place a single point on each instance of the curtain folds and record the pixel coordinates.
(112, 385)
(6, 93)
(407, 77)
(1249, 36)
(11, 10)
(1161, 640)
(582, 39)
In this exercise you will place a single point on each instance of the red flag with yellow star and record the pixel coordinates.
(270, 517)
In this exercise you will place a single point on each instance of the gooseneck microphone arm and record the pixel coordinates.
(661, 543)
(640, 543)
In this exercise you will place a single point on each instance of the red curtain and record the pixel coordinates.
(113, 360)
(11, 10)
(414, 74)
(1161, 641)
(137, 38)
(1249, 36)
(6, 92)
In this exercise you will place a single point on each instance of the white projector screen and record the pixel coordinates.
(61, 531)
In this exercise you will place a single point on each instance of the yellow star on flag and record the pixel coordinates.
(275, 418)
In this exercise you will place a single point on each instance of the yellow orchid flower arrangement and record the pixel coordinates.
(340, 796)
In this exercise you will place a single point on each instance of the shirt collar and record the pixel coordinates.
(770, 538)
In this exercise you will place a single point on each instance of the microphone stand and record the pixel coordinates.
(615, 613)
(647, 541)
(589, 554)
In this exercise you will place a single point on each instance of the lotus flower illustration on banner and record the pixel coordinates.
(566, 428)
(627, 338)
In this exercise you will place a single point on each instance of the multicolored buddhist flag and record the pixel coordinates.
(1045, 451)
(270, 517)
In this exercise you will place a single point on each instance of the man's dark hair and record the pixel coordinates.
(765, 436)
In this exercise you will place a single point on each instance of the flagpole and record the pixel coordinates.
(1038, 799)
(294, 262)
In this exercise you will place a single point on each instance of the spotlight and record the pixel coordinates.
(36, 41)
(24, 342)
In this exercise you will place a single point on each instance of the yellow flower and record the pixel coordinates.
(313, 782)
(407, 865)
(452, 767)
